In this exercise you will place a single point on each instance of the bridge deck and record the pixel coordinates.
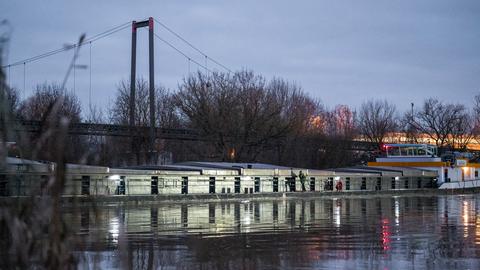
(93, 129)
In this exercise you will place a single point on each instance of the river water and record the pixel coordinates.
(405, 232)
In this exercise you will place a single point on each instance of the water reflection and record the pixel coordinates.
(397, 212)
(336, 213)
(399, 232)
(385, 234)
(465, 216)
(114, 230)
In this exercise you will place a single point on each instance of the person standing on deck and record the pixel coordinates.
(292, 180)
(303, 178)
(339, 186)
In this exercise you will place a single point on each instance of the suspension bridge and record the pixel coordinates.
(121, 130)
(96, 129)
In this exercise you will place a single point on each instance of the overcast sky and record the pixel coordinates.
(342, 52)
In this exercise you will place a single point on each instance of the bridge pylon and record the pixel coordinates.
(135, 25)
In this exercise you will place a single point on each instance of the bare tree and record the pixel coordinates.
(300, 112)
(341, 123)
(51, 105)
(119, 112)
(408, 129)
(334, 143)
(462, 131)
(96, 154)
(376, 119)
(95, 115)
(476, 118)
(441, 122)
(241, 114)
(39, 105)
(166, 116)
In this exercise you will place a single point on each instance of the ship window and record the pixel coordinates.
(410, 150)
(85, 185)
(275, 184)
(312, 183)
(237, 185)
(184, 185)
(378, 186)
(154, 185)
(257, 184)
(211, 185)
(364, 183)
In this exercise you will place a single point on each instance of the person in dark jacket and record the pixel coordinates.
(291, 182)
(303, 178)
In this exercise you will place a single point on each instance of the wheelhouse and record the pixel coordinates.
(410, 150)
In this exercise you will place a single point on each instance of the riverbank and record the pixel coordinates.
(173, 198)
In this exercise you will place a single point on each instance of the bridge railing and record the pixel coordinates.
(94, 129)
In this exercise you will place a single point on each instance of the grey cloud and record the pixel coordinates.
(339, 51)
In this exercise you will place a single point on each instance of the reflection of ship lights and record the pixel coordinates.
(114, 229)
(477, 230)
(385, 234)
(397, 212)
(247, 220)
(465, 216)
(336, 215)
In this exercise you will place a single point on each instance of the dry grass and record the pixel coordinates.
(33, 233)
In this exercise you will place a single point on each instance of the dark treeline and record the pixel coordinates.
(243, 117)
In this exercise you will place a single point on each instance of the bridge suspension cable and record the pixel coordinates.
(24, 79)
(118, 28)
(192, 46)
(90, 79)
(182, 53)
(66, 48)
